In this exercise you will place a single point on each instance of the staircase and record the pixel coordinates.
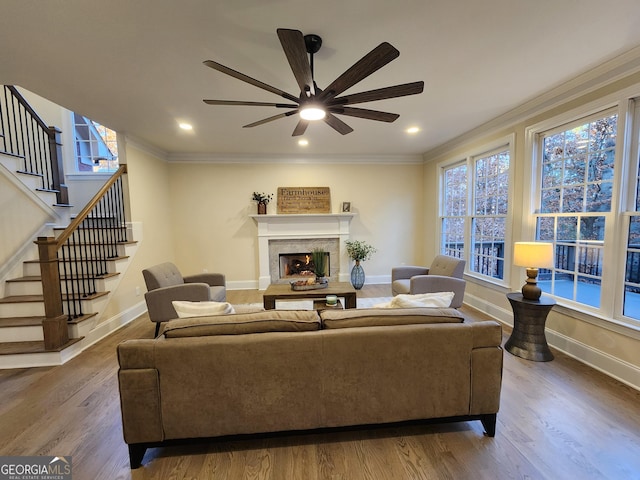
(22, 309)
(58, 283)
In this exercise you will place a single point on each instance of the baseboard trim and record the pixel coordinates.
(48, 359)
(603, 362)
(114, 323)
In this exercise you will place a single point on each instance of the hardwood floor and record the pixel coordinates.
(558, 420)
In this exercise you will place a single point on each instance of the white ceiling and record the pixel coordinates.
(136, 65)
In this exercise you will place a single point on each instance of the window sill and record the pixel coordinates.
(497, 285)
(621, 327)
(88, 176)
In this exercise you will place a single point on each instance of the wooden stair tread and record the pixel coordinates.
(37, 320)
(81, 318)
(33, 174)
(22, 299)
(38, 278)
(40, 298)
(107, 244)
(9, 154)
(21, 321)
(17, 348)
(124, 257)
(28, 278)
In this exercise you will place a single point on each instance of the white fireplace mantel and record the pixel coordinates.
(301, 226)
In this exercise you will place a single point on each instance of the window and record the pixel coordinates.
(575, 204)
(96, 146)
(490, 206)
(454, 211)
(631, 298)
(474, 208)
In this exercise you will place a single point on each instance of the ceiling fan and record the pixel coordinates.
(314, 103)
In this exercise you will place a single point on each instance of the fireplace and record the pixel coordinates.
(299, 234)
(296, 265)
(285, 254)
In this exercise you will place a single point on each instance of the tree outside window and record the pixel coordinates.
(475, 209)
(454, 207)
(576, 189)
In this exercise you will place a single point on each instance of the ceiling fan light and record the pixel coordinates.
(312, 112)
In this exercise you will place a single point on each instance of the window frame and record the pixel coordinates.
(610, 313)
(504, 143)
(69, 152)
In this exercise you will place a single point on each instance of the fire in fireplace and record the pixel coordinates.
(299, 265)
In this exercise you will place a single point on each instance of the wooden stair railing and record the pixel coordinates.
(23, 133)
(79, 256)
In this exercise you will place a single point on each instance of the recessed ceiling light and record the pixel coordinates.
(185, 126)
(413, 130)
(303, 143)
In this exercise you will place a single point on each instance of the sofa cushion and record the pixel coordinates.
(434, 299)
(186, 309)
(238, 324)
(370, 317)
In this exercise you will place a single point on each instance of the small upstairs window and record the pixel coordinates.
(96, 148)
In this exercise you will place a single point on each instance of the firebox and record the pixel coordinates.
(300, 265)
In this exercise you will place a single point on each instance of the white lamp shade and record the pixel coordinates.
(533, 254)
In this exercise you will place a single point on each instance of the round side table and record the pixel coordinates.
(529, 317)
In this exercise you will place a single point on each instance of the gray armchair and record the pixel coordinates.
(165, 284)
(444, 275)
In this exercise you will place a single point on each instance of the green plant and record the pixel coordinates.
(319, 258)
(359, 250)
(262, 197)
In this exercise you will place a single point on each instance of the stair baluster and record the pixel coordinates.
(79, 255)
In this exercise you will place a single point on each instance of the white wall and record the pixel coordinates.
(211, 204)
(148, 179)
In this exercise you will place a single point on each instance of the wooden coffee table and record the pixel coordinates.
(283, 291)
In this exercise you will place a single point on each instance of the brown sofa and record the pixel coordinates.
(282, 370)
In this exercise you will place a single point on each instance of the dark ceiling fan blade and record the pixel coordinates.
(337, 124)
(245, 78)
(250, 104)
(364, 113)
(372, 61)
(294, 48)
(270, 119)
(380, 94)
(301, 127)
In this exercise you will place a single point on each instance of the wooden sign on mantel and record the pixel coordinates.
(304, 200)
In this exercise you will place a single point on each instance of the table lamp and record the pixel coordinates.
(532, 255)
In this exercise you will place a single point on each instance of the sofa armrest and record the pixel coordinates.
(486, 368)
(408, 271)
(159, 300)
(211, 279)
(139, 386)
(437, 283)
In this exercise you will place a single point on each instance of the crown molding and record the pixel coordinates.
(609, 72)
(136, 142)
(293, 159)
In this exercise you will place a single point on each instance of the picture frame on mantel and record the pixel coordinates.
(346, 207)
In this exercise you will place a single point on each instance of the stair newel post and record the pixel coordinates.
(57, 166)
(54, 326)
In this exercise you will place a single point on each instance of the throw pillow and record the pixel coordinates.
(186, 309)
(434, 300)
